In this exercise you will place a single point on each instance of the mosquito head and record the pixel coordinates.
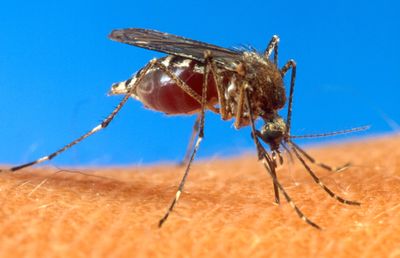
(273, 132)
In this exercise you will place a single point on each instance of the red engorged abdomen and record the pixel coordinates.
(159, 92)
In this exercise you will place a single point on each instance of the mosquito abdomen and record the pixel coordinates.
(158, 91)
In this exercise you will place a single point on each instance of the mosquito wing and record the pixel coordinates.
(176, 45)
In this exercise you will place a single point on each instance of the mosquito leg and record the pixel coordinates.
(200, 137)
(319, 182)
(272, 46)
(255, 134)
(268, 164)
(273, 164)
(99, 127)
(191, 141)
(223, 107)
(320, 164)
(290, 64)
(239, 111)
(276, 187)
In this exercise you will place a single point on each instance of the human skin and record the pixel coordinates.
(226, 209)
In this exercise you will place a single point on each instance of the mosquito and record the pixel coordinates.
(240, 84)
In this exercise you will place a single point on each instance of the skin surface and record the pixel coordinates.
(226, 209)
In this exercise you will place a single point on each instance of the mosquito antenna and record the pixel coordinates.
(352, 130)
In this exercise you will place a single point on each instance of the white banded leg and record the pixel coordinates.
(272, 46)
(269, 166)
(97, 128)
(290, 64)
(200, 137)
(319, 182)
(320, 164)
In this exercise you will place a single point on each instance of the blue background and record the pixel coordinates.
(56, 66)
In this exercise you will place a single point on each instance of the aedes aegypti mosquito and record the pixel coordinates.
(235, 83)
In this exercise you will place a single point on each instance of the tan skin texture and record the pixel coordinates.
(226, 209)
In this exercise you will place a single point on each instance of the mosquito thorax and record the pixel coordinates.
(273, 132)
(266, 82)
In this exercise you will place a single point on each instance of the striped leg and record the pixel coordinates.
(274, 164)
(269, 166)
(272, 46)
(319, 182)
(208, 59)
(320, 164)
(290, 64)
(99, 127)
